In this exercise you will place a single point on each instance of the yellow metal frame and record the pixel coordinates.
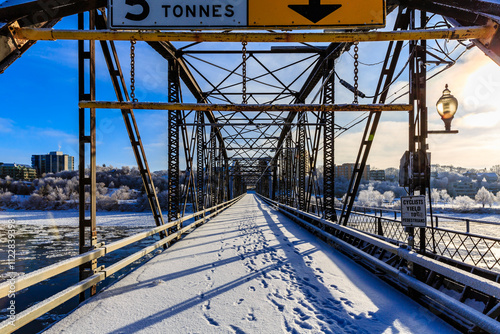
(474, 32)
(39, 275)
(243, 107)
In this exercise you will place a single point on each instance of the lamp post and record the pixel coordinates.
(447, 106)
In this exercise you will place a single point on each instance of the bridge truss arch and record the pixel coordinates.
(259, 114)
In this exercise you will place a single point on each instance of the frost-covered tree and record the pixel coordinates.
(5, 198)
(463, 203)
(484, 197)
(445, 197)
(435, 195)
(389, 196)
(370, 197)
(123, 193)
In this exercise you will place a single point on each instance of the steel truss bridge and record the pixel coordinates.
(249, 125)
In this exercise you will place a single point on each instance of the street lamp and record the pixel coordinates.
(447, 106)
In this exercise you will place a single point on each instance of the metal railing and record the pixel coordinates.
(466, 247)
(378, 252)
(37, 276)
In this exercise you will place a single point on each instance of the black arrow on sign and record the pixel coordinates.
(314, 11)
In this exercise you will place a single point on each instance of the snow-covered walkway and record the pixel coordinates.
(250, 270)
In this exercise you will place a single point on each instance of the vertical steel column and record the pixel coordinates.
(173, 144)
(284, 175)
(274, 187)
(220, 175)
(329, 145)
(87, 124)
(237, 185)
(227, 192)
(264, 180)
(301, 162)
(213, 167)
(289, 169)
(279, 169)
(200, 161)
(419, 173)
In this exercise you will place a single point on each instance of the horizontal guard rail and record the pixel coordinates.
(481, 320)
(445, 248)
(43, 307)
(37, 276)
(479, 283)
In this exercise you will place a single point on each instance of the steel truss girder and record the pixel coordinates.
(200, 161)
(169, 52)
(329, 146)
(464, 13)
(173, 144)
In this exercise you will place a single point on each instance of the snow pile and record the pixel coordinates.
(251, 270)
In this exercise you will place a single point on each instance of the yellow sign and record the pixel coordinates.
(309, 13)
(241, 14)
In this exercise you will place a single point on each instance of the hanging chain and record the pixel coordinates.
(244, 74)
(132, 70)
(356, 64)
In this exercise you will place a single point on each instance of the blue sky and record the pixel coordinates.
(40, 114)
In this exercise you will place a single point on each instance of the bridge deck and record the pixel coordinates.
(250, 270)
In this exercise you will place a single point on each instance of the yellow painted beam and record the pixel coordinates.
(243, 107)
(475, 32)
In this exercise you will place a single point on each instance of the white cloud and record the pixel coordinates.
(6, 125)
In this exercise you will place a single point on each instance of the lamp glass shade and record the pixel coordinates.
(447, 104)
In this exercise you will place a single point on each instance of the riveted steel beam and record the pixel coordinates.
(473, 32)
(244, 107)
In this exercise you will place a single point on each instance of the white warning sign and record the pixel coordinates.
(159, 14)
(413, 211)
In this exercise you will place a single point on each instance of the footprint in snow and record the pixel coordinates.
(301, 314)
(303, 325)
(280, 307)
(211, 321)
(250, 315)
(347, 301)
(236, 329)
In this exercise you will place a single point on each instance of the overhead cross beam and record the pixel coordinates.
(292, 108)
(473, 32)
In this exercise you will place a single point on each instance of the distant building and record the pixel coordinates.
(464, 188)
(17, 171)
(53, 162)
(489, 177)
(346, 170)
(492, 187)
(377, 175)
